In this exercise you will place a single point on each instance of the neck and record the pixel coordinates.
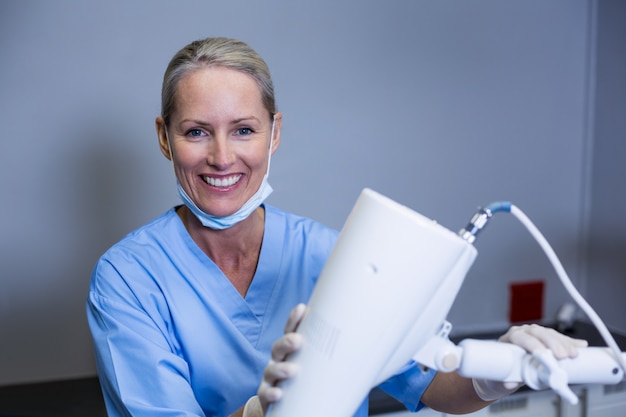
(235, 250)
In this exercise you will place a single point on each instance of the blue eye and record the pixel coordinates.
(244, 131)
(195, 133)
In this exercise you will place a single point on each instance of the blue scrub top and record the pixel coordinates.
(174, 337)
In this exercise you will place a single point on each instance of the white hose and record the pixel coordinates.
(567, 283)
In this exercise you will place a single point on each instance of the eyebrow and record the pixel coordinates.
(235, 121)
(244, 119)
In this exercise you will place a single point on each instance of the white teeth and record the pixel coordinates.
(222, 182)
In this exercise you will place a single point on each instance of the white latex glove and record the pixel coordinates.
(278, 370)
(530, 337)
(253, 408)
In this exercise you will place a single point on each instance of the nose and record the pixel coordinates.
(220, 153)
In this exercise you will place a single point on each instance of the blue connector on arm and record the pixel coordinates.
(499, 206)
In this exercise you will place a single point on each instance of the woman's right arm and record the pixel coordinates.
(140, 373)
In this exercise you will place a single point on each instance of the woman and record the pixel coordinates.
(184, 311)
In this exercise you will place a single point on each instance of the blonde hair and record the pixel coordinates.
(221, 52)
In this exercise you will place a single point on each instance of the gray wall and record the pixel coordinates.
(606, 284)
(441, 105)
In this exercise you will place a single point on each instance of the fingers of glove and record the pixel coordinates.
(533, 337)
(278, 371)
(285, 346)
(268, 394)
(275, 372)
(295, 317)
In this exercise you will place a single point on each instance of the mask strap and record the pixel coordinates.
(169, 144)
(269, 156)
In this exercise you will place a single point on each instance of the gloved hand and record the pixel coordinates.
(531, 338)
(277, 369)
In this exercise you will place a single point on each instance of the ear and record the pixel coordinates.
(278, 122)
(162, 135)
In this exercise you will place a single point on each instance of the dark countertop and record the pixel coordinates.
(381, 403)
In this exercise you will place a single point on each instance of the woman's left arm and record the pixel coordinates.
(452, 393)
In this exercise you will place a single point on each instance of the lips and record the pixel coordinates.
(223, 182)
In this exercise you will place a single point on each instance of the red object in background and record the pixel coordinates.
(526, 301)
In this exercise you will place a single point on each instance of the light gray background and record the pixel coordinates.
(441, 105)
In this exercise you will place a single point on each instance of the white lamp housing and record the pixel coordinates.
(384, 292)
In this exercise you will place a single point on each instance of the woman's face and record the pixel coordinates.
(220, 138)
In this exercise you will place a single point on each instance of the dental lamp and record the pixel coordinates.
(381, 302)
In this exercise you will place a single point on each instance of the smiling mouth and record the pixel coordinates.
(223, 182)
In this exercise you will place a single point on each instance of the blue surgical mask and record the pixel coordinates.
(220, 223)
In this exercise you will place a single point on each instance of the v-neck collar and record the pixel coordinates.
(247, 313)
